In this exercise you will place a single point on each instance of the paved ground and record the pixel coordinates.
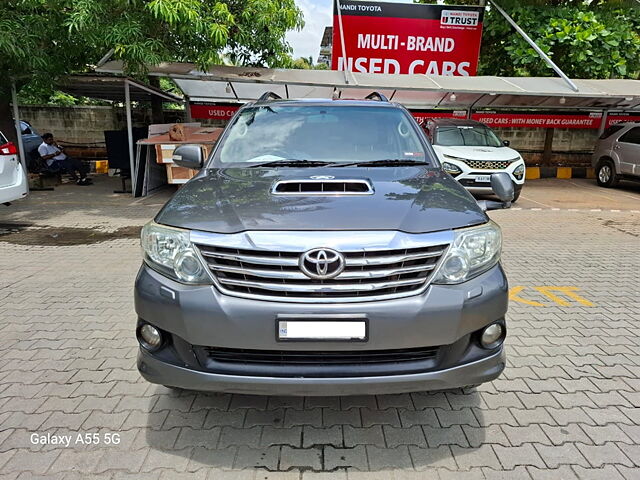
(567, 406)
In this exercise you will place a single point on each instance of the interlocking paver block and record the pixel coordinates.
(306, 458)
(565, 454)
(322, 436)
(345, 457)
(388, 458)
(363, 436)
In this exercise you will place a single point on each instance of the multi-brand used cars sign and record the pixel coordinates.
(404, 38)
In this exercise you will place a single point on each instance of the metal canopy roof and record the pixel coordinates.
(229, 84)
(112, 88)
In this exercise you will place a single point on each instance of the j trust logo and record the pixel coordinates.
(459, 18)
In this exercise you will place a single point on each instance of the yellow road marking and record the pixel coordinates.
(567, 291)
(550, 292)
(513, 295)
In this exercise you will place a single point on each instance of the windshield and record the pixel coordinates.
(320, 133)
(467, 135)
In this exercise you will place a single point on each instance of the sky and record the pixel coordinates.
(317, 15)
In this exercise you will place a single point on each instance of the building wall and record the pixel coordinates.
(81, 128)
(571, 146)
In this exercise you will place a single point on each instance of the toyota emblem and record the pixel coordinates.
(321, 263)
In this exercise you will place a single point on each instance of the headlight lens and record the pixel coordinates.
(451, 169)
(474, 250)
(519, 172)
(169, 251)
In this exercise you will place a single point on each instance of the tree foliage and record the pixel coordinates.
(586, 39)
(585, 42)
(43, 39)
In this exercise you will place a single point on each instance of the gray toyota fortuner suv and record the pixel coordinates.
(321, 250)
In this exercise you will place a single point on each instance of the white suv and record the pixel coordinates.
(470, 152)
(13, 178)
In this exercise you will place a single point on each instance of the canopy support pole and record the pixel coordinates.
(187, 107)
(127, 106)
(16, 118)
(535, 46)
(344, 51)
(603, 121)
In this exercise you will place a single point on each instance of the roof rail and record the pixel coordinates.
(376, 96)
(269, 95)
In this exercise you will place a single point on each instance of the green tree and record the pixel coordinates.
(586, 39)
(43, 39)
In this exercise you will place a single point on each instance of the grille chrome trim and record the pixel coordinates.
(336, 186)
(313, 288)
(293, 275)
(263, 265)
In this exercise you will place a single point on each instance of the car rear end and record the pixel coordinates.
(13, 178)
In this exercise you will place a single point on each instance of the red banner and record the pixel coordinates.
(213, 111)
(421, 116)
(531, 120)
(404, 38)
(614, 118)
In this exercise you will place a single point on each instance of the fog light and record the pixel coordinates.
(150, 337)
(492, 336)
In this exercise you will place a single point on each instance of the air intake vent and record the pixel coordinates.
(322, 187)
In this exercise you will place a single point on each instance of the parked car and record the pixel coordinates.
(13, 178)
(321, 250)
(617, 154)
(471, 152)
(31, 139)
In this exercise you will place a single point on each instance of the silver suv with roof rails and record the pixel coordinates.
(322, 250)
(617, 154)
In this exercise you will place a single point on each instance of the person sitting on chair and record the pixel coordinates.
(52, 153)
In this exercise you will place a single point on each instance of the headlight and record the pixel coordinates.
(519, 172)
(451, 169)
(169, 251)
(474, 250)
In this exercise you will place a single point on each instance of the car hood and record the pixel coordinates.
(409, 199)
(478, 153)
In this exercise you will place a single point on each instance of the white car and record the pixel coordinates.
(13, 178)
(470, 152)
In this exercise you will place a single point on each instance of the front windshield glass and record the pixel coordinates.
(320, 133)
(467, 135)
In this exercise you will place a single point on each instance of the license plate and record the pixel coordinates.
(483, 178)
(322, 330)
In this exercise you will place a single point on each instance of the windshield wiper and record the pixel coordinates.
(385, 162)
(290, 163)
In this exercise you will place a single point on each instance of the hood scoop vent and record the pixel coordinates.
(322, 187)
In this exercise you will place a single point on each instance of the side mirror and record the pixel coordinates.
(506, 143)
(189, 156)
(503, 189)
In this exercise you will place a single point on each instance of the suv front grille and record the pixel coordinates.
(489, 164)
(326, 357)
(277, 274)
(318, 364)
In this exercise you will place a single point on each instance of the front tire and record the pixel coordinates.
(606, 174)
(516, 192)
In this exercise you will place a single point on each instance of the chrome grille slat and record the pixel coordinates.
(347, 275)
(368, 274)
(279, 261)
(317, 287)
(368, 261)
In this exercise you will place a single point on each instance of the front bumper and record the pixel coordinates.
(480, 371)
(444, 316)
